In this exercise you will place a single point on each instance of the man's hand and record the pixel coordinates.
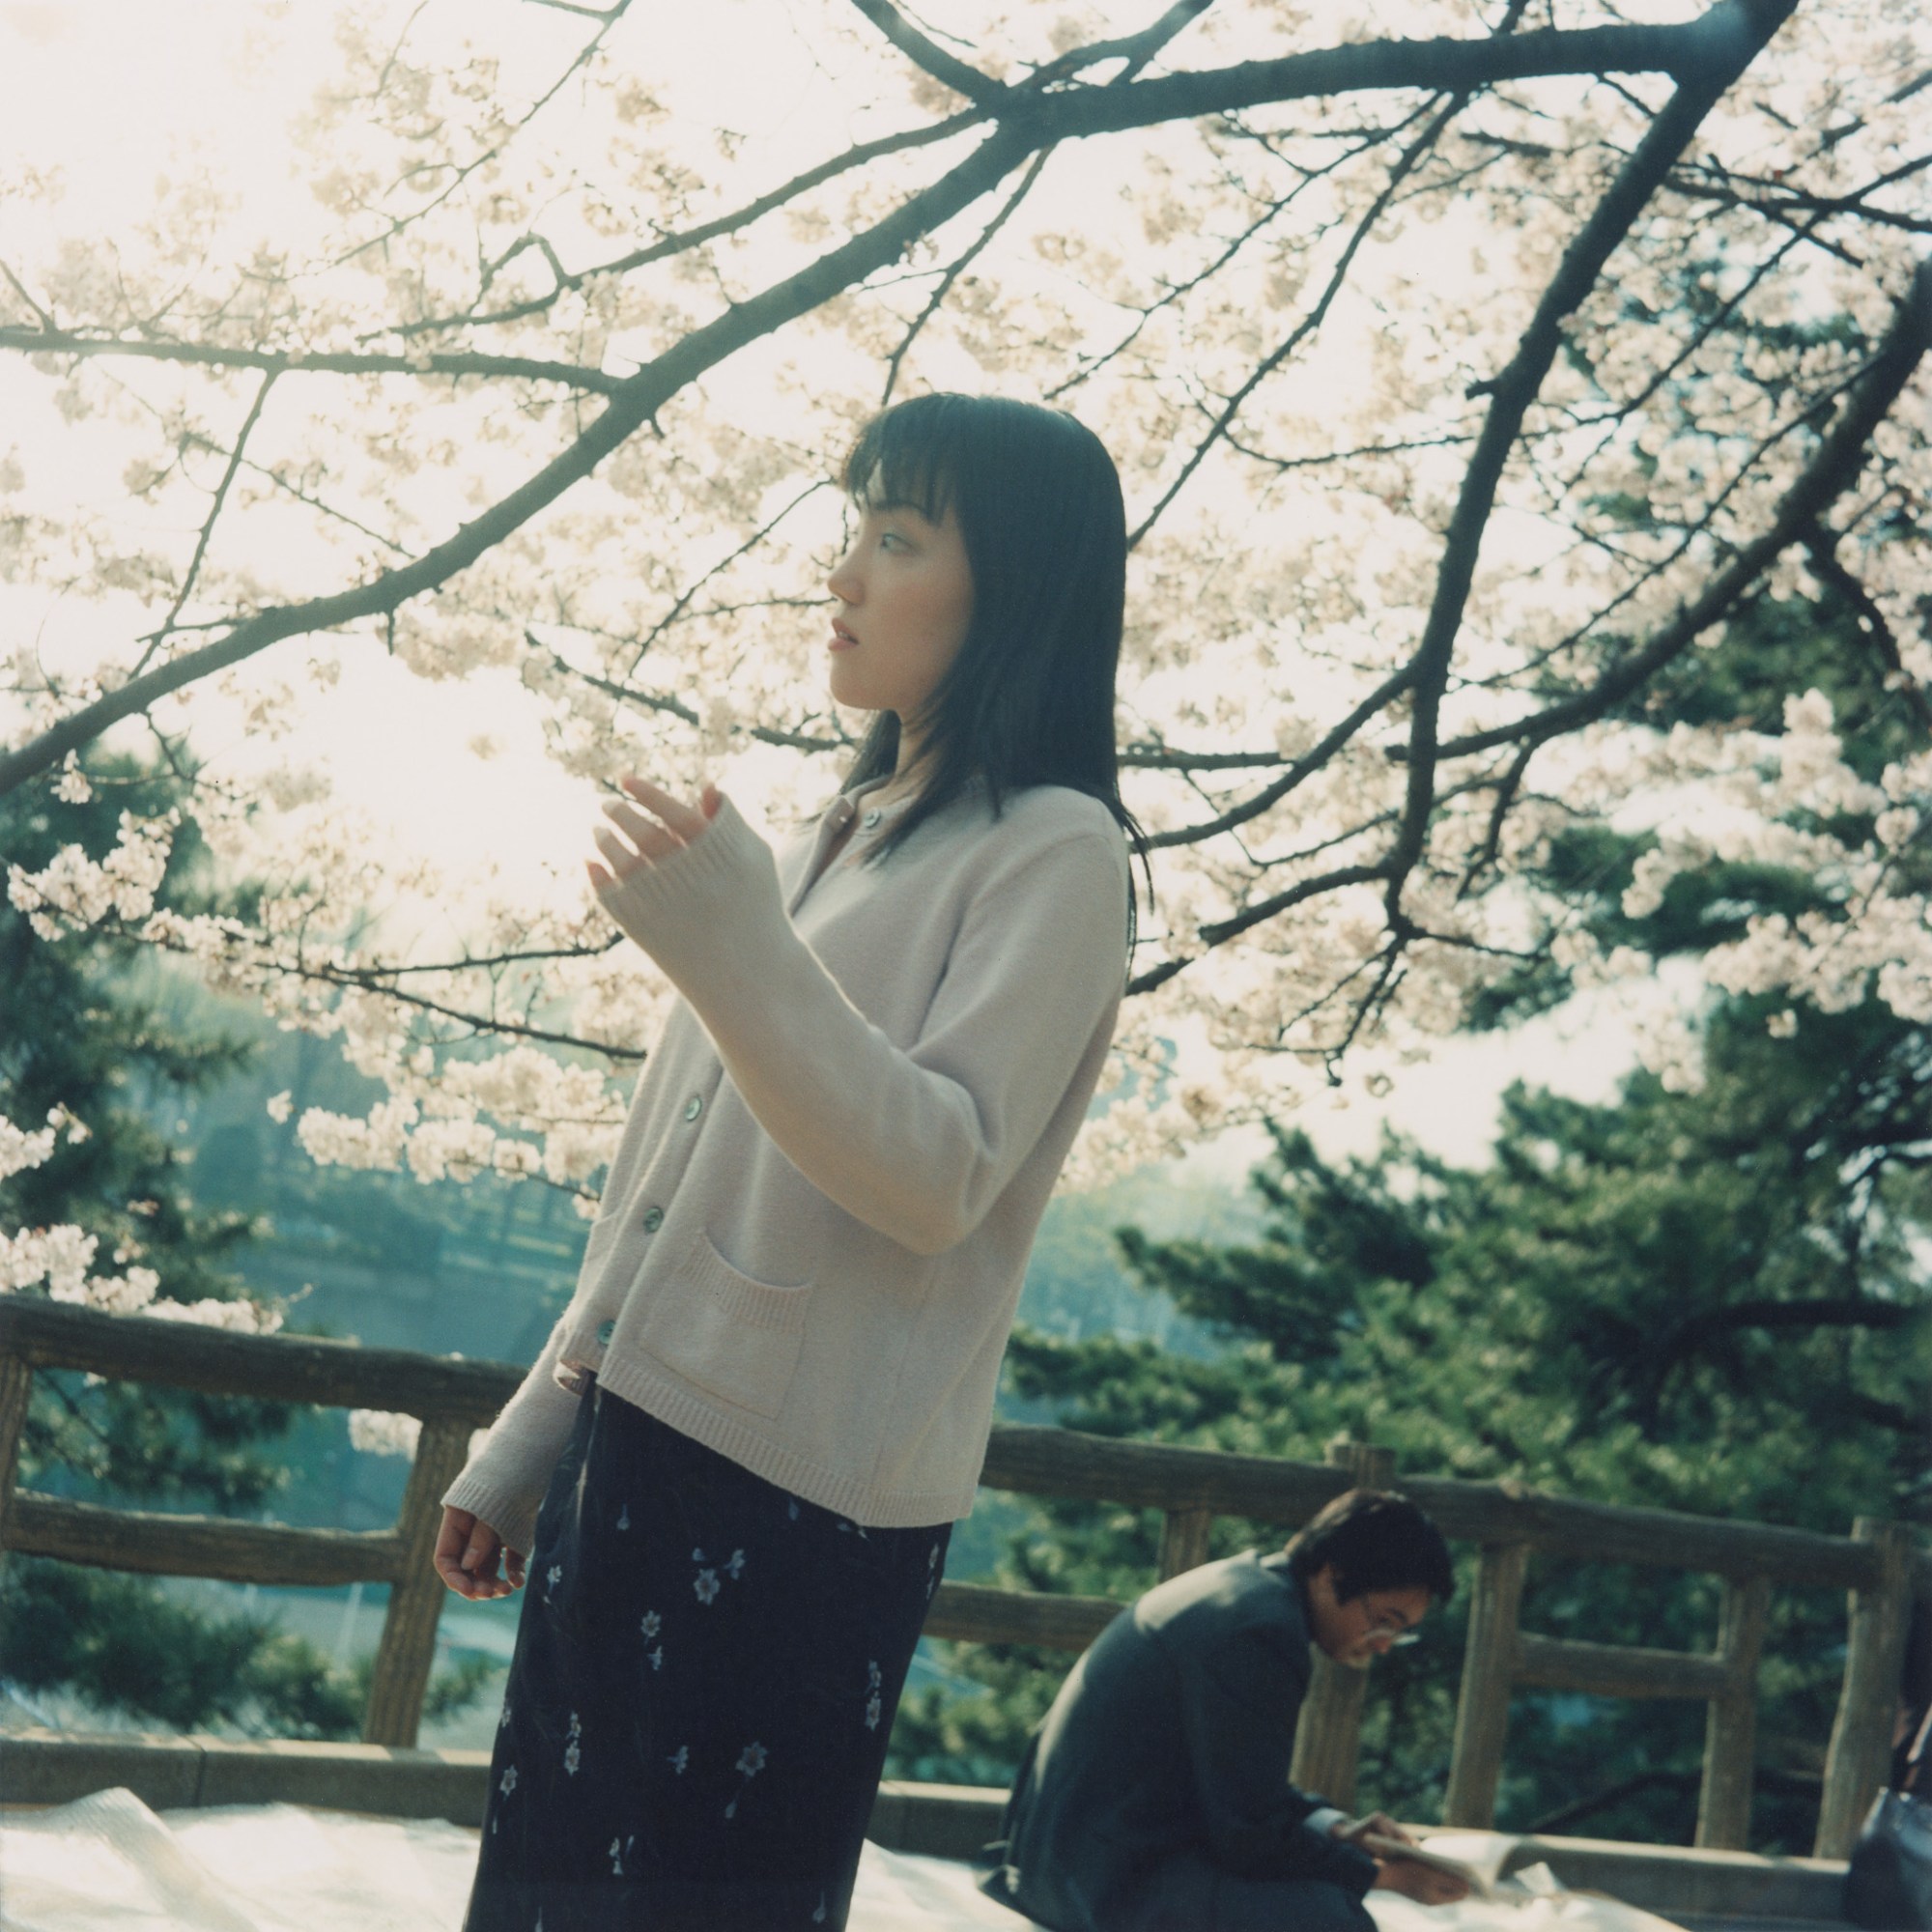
(1378, 1823)
(467, 1550)
(1422, 1883)
(1394, 1873)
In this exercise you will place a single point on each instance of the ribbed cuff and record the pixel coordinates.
(513, 1518)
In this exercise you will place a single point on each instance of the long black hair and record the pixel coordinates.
(1029, 698)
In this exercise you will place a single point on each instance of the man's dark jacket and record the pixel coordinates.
(1172, 1738)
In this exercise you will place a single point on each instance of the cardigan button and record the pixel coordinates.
(872, 818)
(654, 1219)
(693, 1106)
(605, 1330)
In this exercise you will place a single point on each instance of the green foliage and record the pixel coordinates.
(121, 1644)
(1706, 1303)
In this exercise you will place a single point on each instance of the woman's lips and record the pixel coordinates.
(840, 640)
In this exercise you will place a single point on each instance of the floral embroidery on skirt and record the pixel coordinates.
(698, 1709)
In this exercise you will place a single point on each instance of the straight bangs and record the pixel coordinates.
(904, 458)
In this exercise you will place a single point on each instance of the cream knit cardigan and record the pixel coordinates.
(813, 1232)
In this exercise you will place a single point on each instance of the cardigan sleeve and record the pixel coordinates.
(918, 1142)
(503, 1482)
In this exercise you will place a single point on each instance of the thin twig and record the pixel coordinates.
(958, 267)
(193, 569)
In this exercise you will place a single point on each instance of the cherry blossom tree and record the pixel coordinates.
(1473, 370)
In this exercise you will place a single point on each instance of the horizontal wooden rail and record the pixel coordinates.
(1029, 1460)
(1038, 1461)
(1615, 1669)
(197, 1546)
(1654, 1539)
(267, 1367)
(973, 1614)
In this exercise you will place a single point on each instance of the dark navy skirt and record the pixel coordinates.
(704, 1680)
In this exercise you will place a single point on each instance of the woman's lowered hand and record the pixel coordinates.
(467, 1552)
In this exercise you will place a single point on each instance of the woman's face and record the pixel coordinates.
(904, 594)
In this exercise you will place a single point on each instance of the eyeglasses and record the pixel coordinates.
(1393, 1627)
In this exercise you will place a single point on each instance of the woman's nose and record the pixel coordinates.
(844, 581)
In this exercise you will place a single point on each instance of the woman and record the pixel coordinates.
(753, 1429)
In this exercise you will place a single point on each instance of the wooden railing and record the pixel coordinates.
(1878, 1564)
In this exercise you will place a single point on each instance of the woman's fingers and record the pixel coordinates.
(622, 856)
(686, 821)
(653, 839)
(480, 1560)
(466, 1551)
(653, 828)
(452, 1546)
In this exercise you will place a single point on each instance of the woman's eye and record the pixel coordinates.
(891, 540)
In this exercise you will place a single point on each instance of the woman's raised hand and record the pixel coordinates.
(691, 883)
(635, 838)
(467, 1550)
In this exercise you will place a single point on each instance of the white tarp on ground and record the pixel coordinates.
(107, 1863)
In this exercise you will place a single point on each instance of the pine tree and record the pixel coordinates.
(77, 1033)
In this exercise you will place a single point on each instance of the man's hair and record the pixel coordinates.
(1373, 1540)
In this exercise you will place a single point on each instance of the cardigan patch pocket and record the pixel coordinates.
(736, 1337)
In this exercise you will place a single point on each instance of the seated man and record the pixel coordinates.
(1155, 1796)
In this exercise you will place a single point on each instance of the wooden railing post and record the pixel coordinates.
(1731, 1726)
(1183, 1540)
(407, 1648)
(1855, 1766)
(1328, 1739)
(17, 1386)
(1481, 1707)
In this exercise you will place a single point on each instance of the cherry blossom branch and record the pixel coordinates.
(1220, 931)
(608, 17)
(635, 403)
(1776, 197)
(1688, 535)
(685, 238)
(718, 569)
(1304, 767)
(1135, 49)
(1404, 163)
(1697, 50)
(958, 268)
(201, 543)
(1707, 44)
(1516, 387)
(676, 707)
(1164, 758)
(1362, 66)
(371, 980)
(1820, 547)
(949, 69)
(486, 962)
(1834, 466)
(51, 341)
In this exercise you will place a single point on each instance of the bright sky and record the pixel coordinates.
(121, 95)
